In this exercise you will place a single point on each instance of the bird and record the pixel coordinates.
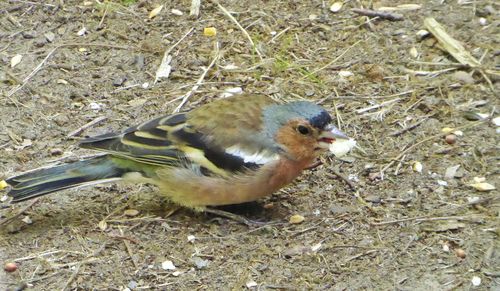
(229, 151)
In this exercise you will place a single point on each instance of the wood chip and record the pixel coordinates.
(195, 8)
(483, 187)
(451, 45)
(155, 12)
(15, 60)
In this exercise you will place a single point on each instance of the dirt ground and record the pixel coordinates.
(391, 88)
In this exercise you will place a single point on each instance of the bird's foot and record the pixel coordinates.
(234, 217)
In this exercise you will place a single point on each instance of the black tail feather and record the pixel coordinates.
(47, 180)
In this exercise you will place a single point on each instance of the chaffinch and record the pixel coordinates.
(229, 151)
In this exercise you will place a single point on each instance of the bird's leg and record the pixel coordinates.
(314, 165)
(233, 216)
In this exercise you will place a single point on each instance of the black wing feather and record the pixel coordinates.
(157, 142)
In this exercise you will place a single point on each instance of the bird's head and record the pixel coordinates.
(301, 129)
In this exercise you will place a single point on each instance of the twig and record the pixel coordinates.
(37, 68)
(359, 255)
(163, 70)
(458, 65)
(380, 14)
(233, 216)
(8, 220)
(376, 96)
(337, 113)
(86, 126)
(333, 61)
(278, 35)
(103, 16)
(129, 249)
(200, 80)
(46, 253)
(73, 276)
(179, 41)
(419, 219)
(399, 165)
(87, 260)
(362, 110)
(341, 176)
(410, 127)
(224, 10)
(34, 3)
(430, 74)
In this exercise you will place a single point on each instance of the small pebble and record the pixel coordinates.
(131, 212)
(413, 52)
(296, 219)
(50, 36)
(373, 199)
(417, 167)
(132, 285)
(39, 42)
(460, 253)
(463, 77)
(176, 274)
(27, 220)
(421, 34)
(56, 152)
(10, 267)
(269, 205)
(118, 81)
(139, 61)
(476, 281)
(496, 121)
(374, 176)
(82, 31)
(199, 262)
(442, 183)
(450, 139)
(335, 7)
(176, 12)
(168, 265)
(345, 74)
(28, 34)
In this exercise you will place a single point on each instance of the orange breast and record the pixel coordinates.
(187, 188)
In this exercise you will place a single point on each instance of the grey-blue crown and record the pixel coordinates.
(276, 116)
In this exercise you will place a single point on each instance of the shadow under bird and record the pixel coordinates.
(229, 151)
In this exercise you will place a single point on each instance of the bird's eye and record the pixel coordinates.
(303, 129)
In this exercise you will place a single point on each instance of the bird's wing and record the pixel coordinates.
(172, 141)
(147, 143)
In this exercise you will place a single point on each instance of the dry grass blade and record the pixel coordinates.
(200, 80)
(224, 10)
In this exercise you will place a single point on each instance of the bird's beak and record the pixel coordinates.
(329, 135)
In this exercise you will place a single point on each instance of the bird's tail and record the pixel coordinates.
(51, 179)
